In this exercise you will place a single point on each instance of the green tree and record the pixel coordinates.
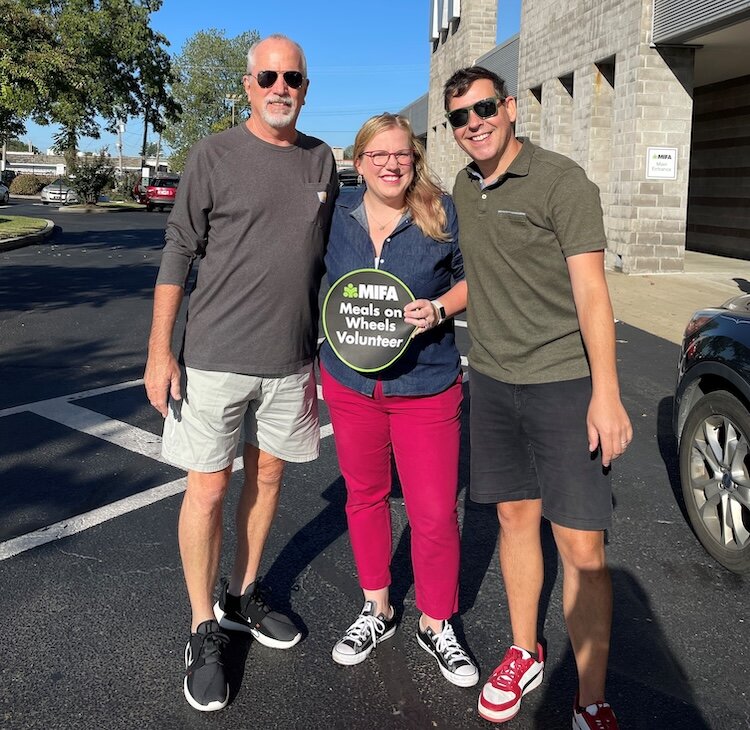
(93, 83)
(209, 69)
(348, 152)
(16, 145)
(107, 63)
(150, 66)
(31, 63)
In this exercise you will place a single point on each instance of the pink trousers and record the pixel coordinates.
(423, 433)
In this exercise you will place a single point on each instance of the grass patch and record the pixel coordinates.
(16, 225)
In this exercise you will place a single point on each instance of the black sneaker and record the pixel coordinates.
(364, 635)
(205, 685)
(452, 658)
(250, 612)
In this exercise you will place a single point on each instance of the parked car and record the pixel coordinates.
(4, 194)
(59, 191)
(711, 420)
(160, 192)
(349, 177)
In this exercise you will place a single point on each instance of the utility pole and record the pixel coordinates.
(120, 130)
(145, 135)
(233, 99)
(158, 152)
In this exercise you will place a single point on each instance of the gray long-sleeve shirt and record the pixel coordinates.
(257, 214)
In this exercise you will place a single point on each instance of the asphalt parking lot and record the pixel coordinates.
(95, 602)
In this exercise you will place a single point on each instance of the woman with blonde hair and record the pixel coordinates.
(403, 223)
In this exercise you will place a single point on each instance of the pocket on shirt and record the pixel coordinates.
(316, 202)
(514, 231)
(513, 216)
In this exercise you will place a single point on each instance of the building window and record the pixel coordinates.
(567, 83)
(606, 68)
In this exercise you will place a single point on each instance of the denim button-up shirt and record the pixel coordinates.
(428, 267)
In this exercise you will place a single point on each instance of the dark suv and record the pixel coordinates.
(349, 177)
(711, 420)
(160, 192)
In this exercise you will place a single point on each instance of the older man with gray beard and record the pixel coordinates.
(254, 204)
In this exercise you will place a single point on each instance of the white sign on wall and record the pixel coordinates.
(661, 163)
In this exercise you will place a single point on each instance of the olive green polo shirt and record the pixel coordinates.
(515, 235)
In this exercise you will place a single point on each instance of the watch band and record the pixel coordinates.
(440, 309)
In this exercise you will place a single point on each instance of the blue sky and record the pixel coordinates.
(364, 56)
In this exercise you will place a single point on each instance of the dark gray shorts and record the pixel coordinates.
(530, 442)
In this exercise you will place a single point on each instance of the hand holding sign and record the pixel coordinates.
(422, 314)
(363, 319)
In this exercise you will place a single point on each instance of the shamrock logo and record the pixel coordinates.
(350, 291)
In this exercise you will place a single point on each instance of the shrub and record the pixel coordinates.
(125, 184)
(28, 184)
(92, 177)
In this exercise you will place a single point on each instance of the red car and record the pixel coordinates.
(160, 193)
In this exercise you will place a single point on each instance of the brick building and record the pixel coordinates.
(651, 97)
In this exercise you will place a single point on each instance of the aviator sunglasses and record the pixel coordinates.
(484, 109)
(266, 79)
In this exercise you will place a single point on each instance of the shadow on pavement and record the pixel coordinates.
(641, 664)
(308, 543)
(668, 450)
(41, 285)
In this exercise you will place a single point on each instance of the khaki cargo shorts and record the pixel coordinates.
(278, 416)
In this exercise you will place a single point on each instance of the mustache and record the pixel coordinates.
(278, 99)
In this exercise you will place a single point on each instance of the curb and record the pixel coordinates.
(9, 244)
(74, 209)
(78, 209)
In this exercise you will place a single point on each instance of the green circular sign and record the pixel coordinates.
(363, 319)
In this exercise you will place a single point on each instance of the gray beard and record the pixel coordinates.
(276, 120)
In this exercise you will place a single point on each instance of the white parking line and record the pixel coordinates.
(102, 427)
(72, 397)
(61, 410)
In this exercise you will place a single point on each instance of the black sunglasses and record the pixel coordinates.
(484, 109)
(266, 79)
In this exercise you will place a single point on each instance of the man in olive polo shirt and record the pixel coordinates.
(546, 415)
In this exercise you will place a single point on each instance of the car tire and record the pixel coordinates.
(715, 474)
(149, 207)
(6, 198)
(45, 202)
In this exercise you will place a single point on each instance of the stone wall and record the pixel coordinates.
(590, 86)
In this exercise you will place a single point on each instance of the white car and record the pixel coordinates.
(4, 194)
(59, 191)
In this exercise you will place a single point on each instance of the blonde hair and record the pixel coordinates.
(424, 195)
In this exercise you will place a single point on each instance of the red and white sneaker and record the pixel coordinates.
(598, 716)
(518, 674)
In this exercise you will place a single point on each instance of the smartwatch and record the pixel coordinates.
(440, 309)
